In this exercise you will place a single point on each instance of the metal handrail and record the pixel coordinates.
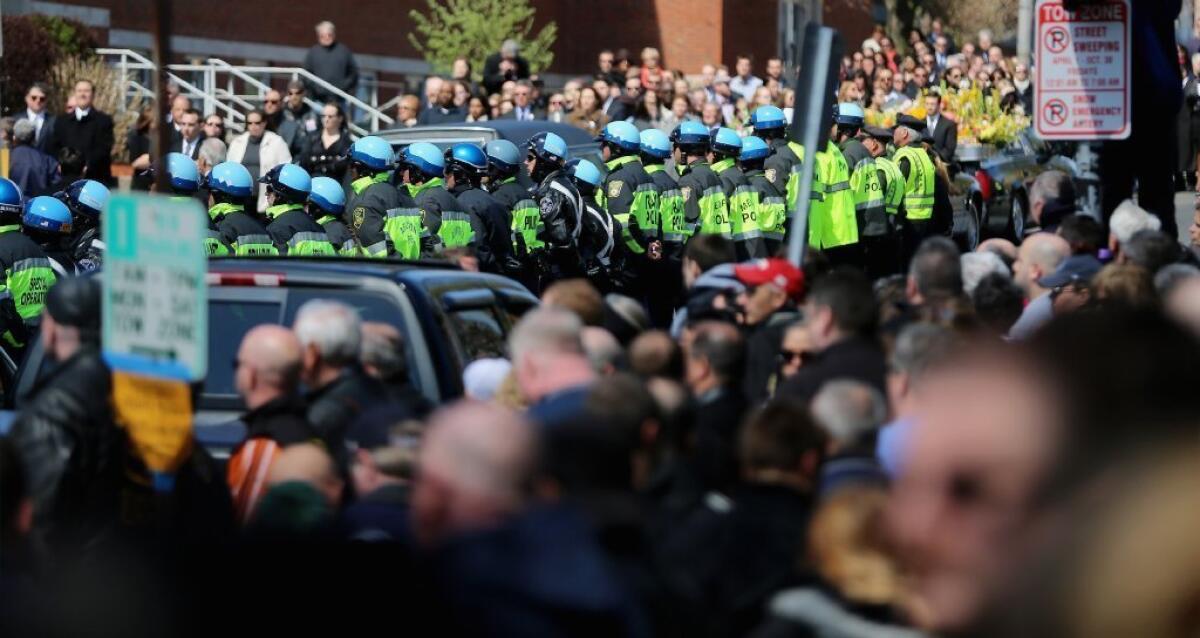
(264, 87)
(297, 72)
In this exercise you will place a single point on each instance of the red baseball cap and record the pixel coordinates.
(779, 272)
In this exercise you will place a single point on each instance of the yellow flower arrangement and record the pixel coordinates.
(978, 113)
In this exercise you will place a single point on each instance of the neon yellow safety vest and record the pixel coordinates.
(670, 210)
(893, 189)
(405, 227)
(27, 281)
(303, 244)
(918, 188)
(361, 184)
(868, 199)
(528, 224)
(743, 207)
(833, 222)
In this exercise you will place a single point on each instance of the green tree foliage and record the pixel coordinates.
(33, 45)
(475, 29)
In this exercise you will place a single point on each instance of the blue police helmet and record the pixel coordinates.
(372, 152)
(587, 173)
(549, 147)
(655, 143)
(468, 157)
(768, 117)
(726, 140)
(328, 195)
(504, 155)
(47, 213)
(426, 158)
(232, 179)
(690, 134)
(621, 134)
(754, 148)
(86, 197)
(10, 196)
(849, 114)
(289, 181)
(182, 170)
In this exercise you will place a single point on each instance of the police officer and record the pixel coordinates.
(771, 212)
(86, 199)
(599, 241)
(918, 171)
(833, 221)
(782, 168)
(292, 230)
(665, 265)
(422, 168)
(25, 274)
(867, 185)
(48, 223)
(560, 207)
(466, 166)
(373, 198)
(705, 208)
(884, 257)
(504, 164)
(327, 205)
(628, 192)
(183, 177)
(229, 186)
(724, 148)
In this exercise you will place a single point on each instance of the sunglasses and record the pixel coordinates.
(38, 98)
(792, 356)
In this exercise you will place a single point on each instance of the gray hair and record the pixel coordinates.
(976, 266)
(385, 353)
(1169, 277)
(918, 347)
(602, 349)
(213, 150)
(546, 330)
(1129, 219)
(1052, 186)
(909, 133)
(849, 410)
(510, 47)
(23, 132)
(333, 327)
(326, 25)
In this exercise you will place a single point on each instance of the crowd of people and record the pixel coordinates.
(691, 436)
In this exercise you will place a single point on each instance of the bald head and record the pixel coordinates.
(307, 463)
(475, 462)
(268, 364)
(1039, 255)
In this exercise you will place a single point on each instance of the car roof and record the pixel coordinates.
(332, 271)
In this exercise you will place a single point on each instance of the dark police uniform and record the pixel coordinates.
(366, 212)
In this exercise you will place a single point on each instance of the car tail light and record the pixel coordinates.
(244, 279)
(985, 184)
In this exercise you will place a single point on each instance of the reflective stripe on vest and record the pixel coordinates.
(456, 230)
(743, 213)
(254, 245)
(833, 221)
(527, 222)
(214, 245)
(918, 188)
(310, 244)
(576, 201)
(714, 212)
(604, 255)
(645, 209)
(28, 281)
(405, 227)
(772, 217)
(868, 199)
(893, 190)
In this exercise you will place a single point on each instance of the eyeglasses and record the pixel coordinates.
(556, 102)
(38, 98)
(793, 356)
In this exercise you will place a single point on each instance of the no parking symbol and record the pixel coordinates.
(1055, 112)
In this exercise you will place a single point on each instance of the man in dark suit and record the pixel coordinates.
(523, 109)
(714, 362)
(942, 131)
(35, 111)
(503, 66)
(190, 134)
(87, 130)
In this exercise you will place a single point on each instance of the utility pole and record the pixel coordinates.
(1025, 31)
(162, 57)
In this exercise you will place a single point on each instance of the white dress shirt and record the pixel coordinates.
(38, 119)
(81, 113)
(188, 146)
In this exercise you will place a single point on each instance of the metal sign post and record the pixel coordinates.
(816, 86)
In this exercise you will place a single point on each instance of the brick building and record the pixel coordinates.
(689, 33)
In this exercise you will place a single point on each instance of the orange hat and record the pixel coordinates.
(779, 272)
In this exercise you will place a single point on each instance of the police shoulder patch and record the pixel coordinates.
(614, 188)
(359, 215)
(687, 192)
(770, 175)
